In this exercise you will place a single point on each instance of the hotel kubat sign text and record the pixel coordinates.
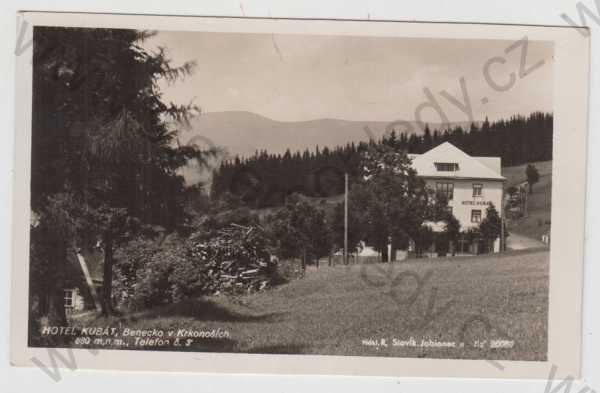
(477, 203)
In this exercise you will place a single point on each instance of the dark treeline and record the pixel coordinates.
(266, 179)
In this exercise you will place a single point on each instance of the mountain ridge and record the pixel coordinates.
(243, 133)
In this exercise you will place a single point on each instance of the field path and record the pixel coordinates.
(520, 242)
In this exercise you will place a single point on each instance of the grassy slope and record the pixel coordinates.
(540, 202)
(333, 309)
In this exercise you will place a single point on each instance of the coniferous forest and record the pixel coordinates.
(265, 179)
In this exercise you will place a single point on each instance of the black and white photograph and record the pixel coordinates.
(283, 193)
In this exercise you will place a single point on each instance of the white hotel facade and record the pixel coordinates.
(470, 183)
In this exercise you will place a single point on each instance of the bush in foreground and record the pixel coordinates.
(233, 261)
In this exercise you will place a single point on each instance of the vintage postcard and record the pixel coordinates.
(299, 196)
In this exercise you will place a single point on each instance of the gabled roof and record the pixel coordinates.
(487, 168)
(94, 261)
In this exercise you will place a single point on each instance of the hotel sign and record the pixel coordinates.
(478, 203)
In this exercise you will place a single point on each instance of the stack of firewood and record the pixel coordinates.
(236, 260)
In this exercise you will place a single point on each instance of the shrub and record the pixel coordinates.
(233, 261)
(152, 284)
(288, 270)
(128, 260)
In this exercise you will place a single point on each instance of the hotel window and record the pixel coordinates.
(476, 216)
(477, 188)
(446, 189)
(69, 298)
(446, 166)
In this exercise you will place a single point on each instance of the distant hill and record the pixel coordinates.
(243, 133)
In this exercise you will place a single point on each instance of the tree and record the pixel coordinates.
(533, 176)
(391, 201)
(490, 227)
(356, 223)
(102, 136)
(300, 231)
(427, 138)
(423, 237)
(512, 191)
(54, 230)
(452, 230)
(114, 226)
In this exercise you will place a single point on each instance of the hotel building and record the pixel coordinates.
(471, 184)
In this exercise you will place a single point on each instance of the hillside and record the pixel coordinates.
(340, 310)
(537, 223)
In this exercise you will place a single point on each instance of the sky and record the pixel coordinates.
(307, 77)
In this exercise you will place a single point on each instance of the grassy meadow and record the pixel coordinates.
(344, 310)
